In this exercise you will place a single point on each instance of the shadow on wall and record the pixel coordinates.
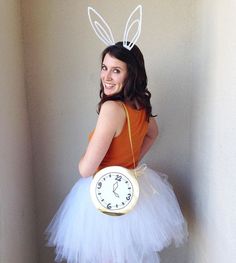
(180, 80)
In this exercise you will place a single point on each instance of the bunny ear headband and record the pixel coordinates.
(104, 33)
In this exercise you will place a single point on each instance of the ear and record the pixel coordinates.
(101, 28)
(132, 23)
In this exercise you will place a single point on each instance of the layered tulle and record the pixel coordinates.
(82, 234)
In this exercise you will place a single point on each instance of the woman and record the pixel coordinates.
(123, 78)
(81, 233)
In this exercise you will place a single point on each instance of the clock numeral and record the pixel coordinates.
(118, 177)
(128, 197)
(109, 206)
(99, 185)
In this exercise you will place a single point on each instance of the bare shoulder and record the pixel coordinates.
(113, 108)
(112, 113)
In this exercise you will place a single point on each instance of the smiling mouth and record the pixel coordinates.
(108, 86)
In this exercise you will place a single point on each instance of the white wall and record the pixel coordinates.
(17, 218)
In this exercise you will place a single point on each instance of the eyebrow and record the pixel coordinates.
(112, 67)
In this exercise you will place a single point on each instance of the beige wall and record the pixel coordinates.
(189, 47)
(62, 62)
(213, 129)
(17, 219)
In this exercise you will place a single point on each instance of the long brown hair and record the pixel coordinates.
(135, 90)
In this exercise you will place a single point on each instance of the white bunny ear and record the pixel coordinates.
(102, 29)
(129, 25)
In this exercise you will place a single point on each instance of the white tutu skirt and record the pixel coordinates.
(82, 234)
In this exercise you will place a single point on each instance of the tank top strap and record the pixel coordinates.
(129, 132)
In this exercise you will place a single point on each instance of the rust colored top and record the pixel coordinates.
(119, 152)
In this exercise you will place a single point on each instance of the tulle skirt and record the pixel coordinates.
(82, 234)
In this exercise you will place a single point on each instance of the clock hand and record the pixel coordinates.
(116, 195)
(115, 186)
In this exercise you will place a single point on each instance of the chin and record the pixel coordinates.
(109, 93)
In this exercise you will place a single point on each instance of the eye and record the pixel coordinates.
(103, 67)
(116, 70)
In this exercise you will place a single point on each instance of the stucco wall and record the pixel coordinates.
(17, 217)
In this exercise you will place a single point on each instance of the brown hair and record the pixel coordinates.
(135, 90)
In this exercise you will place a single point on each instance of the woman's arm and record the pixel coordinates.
(150, 137)
(110, 119)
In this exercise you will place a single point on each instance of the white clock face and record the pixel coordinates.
(114, 191)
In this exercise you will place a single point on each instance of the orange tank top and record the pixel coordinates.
(119, 152)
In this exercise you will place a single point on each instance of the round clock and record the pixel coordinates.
(114, 190)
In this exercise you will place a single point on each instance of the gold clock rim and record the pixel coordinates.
(129, 174)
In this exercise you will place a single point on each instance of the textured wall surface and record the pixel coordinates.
(17, 218)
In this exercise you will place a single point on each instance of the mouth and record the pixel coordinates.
(108, 85)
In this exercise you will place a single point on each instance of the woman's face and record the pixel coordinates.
(113, 75)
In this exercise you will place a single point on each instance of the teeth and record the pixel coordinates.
(109, 85)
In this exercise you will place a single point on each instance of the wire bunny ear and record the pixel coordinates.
(129, 25)
(104, 33)
(102, 29)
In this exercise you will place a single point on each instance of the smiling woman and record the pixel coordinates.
(129, 77)
(126, 129)
(113, 75)
(80, 232)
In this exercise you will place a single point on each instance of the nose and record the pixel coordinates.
(108, 75)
